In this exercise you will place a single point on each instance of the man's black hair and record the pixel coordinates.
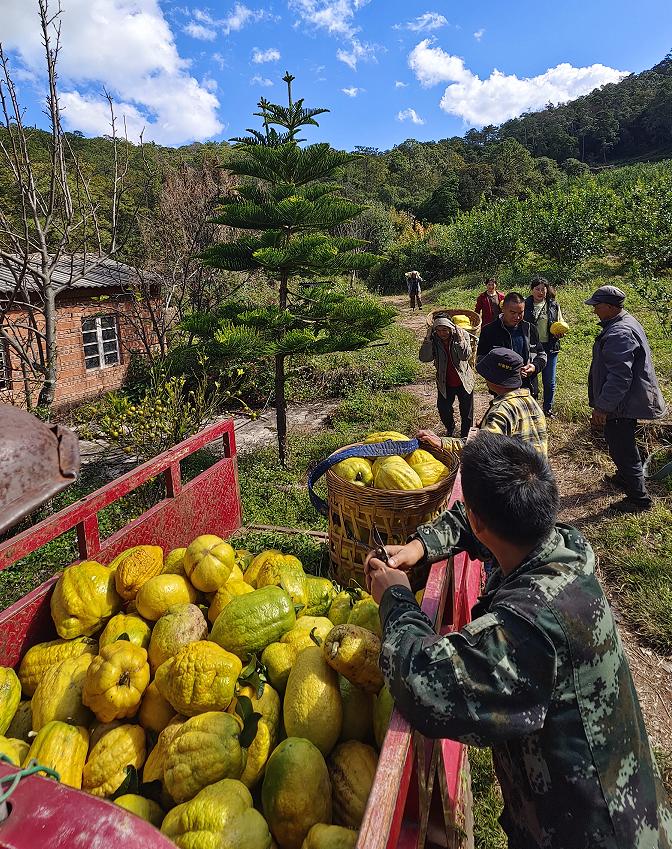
(513, 298)
(510, 486)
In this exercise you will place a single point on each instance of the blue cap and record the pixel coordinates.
(606, 295)
(502, 366)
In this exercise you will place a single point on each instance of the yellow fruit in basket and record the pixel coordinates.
(384, 436)
(250, 622)
(323, 836)
(84, 598)
(153, 769)
(62, 747)
(204, 749)
(135, 567)
(208, 562)
(288, 574)
(462, 321)
(296, 793)
(312, 705)
(15, 750)
(134, 626)
(431, 473)
(155, 712)
(393, 459)
(147, 809)
(22, 723)
(10, 696)
(353, 652)
(180, 625)
(41, 656)
(268, 705)
(357, 712)
(352, 768)
(59, 694)
(224, 594)
(221, 816)
(419, 456)
(395, 476)
(200, 677)
(356, 470)
(365, 614)
(382, 712)
(320, 592)
(162, 592)
(173, 563)
(105, 768)
(116, 680)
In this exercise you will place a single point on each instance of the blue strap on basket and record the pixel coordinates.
(372, 449)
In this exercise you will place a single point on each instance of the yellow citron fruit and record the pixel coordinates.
(356, 470)
(10, 696)
(200, 677)
(340, 607)
(173, 563)
(308, 631)
(384, 436)
(22, 725)
(62, 747)
(285, 572)
(268, 705)
(204, 749)
(116, 681)
(352, 769)
(155, 712)
(559, 328)
(84, 598)
(153, 769)
(431, 473)
(105, 768)
(147, 809)
(224, 594)
(220, 816)
(134, 626)
(323, 836)
(353, 652)
(208, 562)
(15, 750)
(391, 459)
(278, 659)
(462, 321)
(365, 614)
(312, 706)
(270, 554)
(180, 625)
(41, 656)
(320, 593)
(357, 712)
(161, 592)
(135, 567)
(396, 476)
(419, 456)
(59, 693)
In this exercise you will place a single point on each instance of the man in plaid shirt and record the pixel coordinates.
(512, 412)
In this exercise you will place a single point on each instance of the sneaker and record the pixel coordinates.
(615, 480)
(627, 505)
(549, 415)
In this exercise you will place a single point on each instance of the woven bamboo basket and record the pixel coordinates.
(474, 331)
(354, 510)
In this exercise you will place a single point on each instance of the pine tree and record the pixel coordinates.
(288, 204)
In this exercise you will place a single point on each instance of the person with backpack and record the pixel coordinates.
(413, 281)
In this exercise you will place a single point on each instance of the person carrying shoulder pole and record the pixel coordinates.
(539, 675)
(413, 281)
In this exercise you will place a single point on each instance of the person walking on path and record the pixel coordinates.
(622, 388)
(489, 303)
(449, 347)
(543, 310)
(413, 281)
(512, 412)
(539, 675)
(511, 331)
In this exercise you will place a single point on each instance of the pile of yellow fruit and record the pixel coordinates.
(412, 471)
(180, 686)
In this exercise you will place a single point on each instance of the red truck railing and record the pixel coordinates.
(420, 785)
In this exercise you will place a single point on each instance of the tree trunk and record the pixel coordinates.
(281, 408)
(48, 390)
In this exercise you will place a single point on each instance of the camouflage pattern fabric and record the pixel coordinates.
(540, 676)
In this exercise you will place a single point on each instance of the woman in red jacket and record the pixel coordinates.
(489, 303)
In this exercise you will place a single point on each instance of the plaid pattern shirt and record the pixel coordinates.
(513, 414)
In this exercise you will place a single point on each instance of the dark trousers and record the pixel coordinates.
(415, 299)
(620, 437)
(445, 408)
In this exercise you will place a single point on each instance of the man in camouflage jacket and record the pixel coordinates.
(539, 674)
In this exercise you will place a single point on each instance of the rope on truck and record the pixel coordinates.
(15, 778)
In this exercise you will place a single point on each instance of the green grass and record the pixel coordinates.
(487, 801)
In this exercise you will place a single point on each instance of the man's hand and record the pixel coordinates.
(400, 557)
(599, 418)
(527, 370)
(379, 580)
(429, 437)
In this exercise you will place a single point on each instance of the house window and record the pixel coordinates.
(101, 341)
(4, 366)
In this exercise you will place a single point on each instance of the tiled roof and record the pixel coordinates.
(109, 274)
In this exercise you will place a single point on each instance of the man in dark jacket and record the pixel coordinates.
(539, 674)
(622, 388)
(511, 331)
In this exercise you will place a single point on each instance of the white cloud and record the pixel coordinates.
(478, 35)
(136, 60)
(410, 115)
(352, 92)
(358, 52)
(425, 23)
(270, 55)
(201, 32)
(501, 96)
(399, 84)
(262, 81)
(336, 16)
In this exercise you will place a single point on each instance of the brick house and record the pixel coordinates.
(99, 322)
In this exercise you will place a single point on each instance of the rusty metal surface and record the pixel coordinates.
(37, 461)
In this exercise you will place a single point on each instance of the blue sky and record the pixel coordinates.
(181, 71)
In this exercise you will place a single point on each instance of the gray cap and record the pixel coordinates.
(606, 295)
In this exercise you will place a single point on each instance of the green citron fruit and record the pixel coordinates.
(312, 706)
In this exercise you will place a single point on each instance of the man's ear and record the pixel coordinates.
(477, 525)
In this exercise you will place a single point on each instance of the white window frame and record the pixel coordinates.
(100, 343)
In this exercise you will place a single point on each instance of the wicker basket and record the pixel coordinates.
(474, 330)
(353, 511)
